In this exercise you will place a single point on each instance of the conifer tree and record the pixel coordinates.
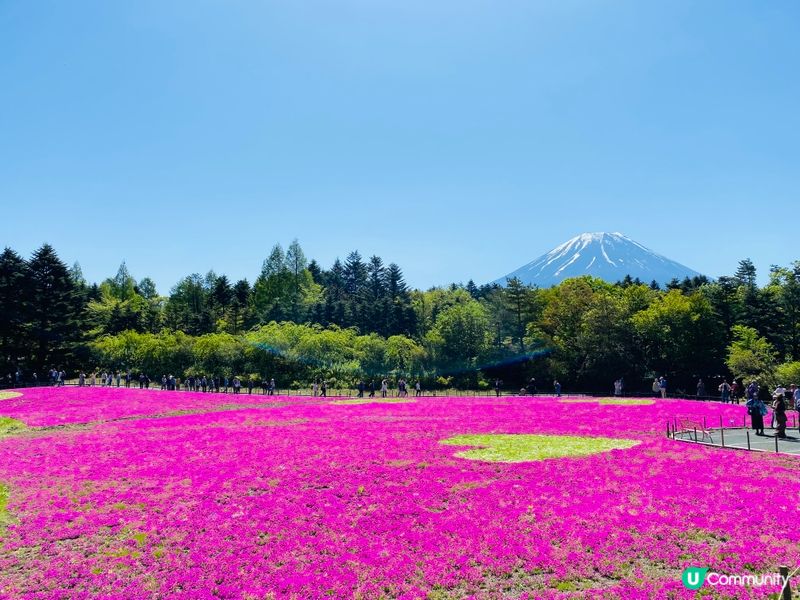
(55, 310)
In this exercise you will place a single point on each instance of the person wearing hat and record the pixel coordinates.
(779, 411)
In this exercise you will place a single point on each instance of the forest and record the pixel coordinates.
(359, 319)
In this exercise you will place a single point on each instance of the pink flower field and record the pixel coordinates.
(116, 493)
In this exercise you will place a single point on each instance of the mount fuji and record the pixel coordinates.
(609, 256)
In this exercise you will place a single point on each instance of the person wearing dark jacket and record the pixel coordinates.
(779, 407)
(756, 410)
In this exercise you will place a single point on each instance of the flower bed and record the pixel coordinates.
(311, 499)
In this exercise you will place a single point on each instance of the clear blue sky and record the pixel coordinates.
(458, 139)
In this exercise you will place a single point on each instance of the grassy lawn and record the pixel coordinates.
(525, 448)
(610, 401)
(10, 426)
(374, 401)
(3, 503)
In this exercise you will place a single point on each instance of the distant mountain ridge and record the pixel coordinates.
(609, 256)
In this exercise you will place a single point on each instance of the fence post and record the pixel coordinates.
(722, 433)
(786, 590)
(695, 434)
(748, 439)
(776, 441)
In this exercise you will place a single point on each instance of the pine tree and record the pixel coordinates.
(376, 274)
(76, 272)
(147, 289)
(14, 304)
(296, 264)
(122, 285)
(55, 310)
(333, 281)
(395, 282)
(519, 302)
(402, 316)
(275, 263)
(316, 272)
(355, 274)
(746, 273)
(221, 295)
(239, 304)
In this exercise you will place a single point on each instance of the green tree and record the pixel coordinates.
(460, 339)
(300, 280)
(189, 307)
(784, 289)
(122, 286)
(788, 373)
(14, 298)
(55, 310)
(680, 336)
(240, 305)
(751, 356)
(272, 290)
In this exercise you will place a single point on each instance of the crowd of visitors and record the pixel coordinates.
(782, 399)
(193, 383)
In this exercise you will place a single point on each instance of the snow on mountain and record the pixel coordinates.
(609, 256)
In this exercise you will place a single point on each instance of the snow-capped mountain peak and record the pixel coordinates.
(609, 256)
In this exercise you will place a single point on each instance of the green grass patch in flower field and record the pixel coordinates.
(610, 401)
(10, 426)
(9, 395)
(3, 503)
(514, 448)
(374, 401)
(626, 401)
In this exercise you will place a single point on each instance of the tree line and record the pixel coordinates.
(359, 319)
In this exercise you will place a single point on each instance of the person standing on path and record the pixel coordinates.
(779, 391)
(662, 385)
(779, 409)
(701, 389)
(725, 390)
(384, 388)
(756, 410)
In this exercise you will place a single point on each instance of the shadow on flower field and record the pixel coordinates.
(136, 493)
